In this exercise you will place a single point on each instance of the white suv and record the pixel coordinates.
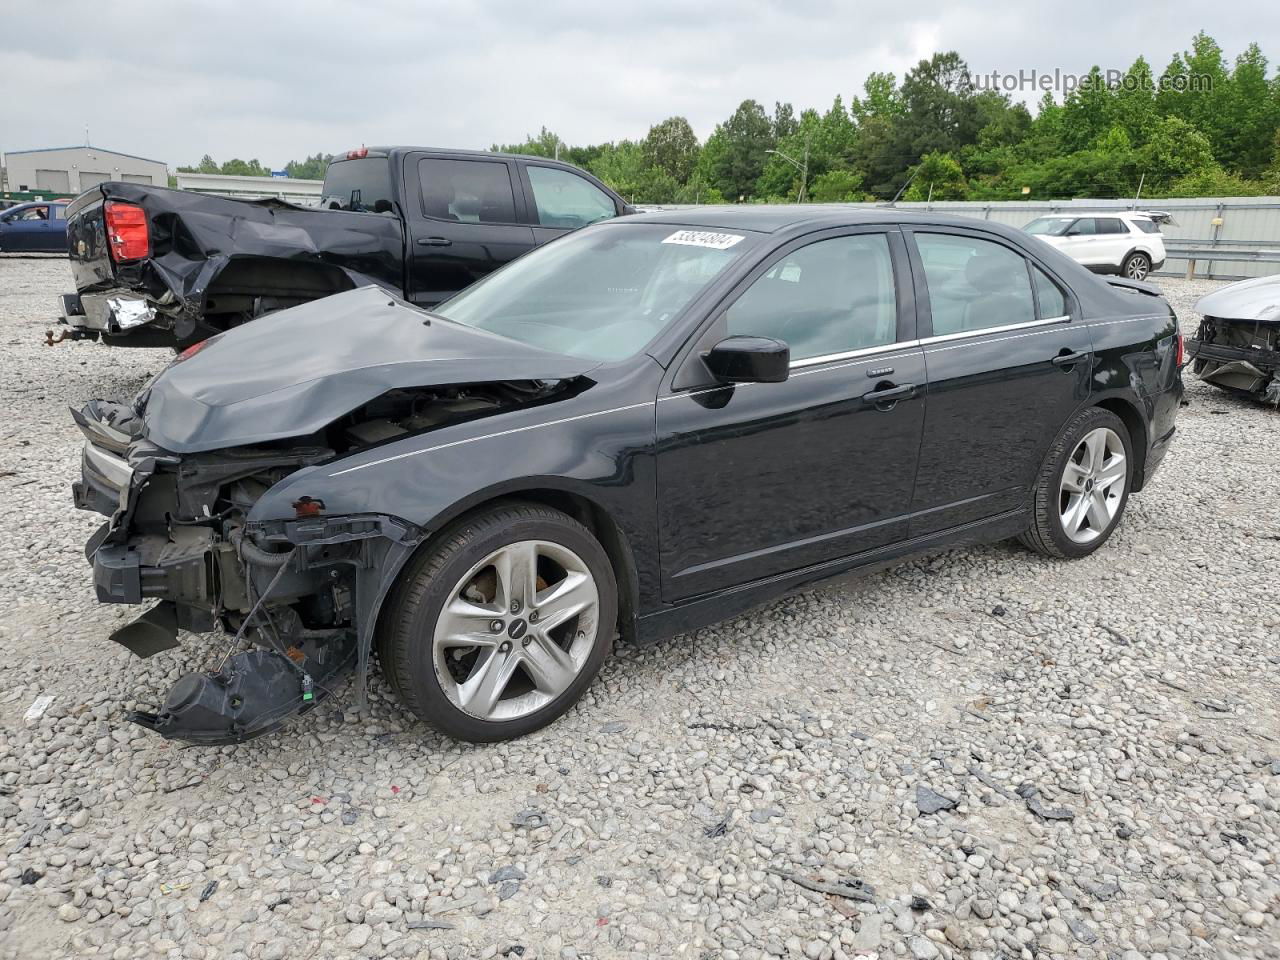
(1129, 244)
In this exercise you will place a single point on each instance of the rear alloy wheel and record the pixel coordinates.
(1083, 488)
(500, 627)
(1137, 266)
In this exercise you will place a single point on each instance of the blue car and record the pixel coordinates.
(39, 227)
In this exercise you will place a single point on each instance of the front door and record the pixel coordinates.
(462, 226)
(561, 200)
(760, 479)
(1009, 361)
(28, 229)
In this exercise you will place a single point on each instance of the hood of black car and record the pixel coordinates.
(292, 373)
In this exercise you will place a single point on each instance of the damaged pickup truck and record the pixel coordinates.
(649, 426)
(158, 267)
(1237, 346)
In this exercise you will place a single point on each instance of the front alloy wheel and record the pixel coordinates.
(500, 623)
(517, 630)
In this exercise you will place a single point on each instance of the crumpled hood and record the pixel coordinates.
(1256, 299)
(294, 372)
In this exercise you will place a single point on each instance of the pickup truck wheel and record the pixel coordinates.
(1136, 266)
(1083, 486)
(498, 628)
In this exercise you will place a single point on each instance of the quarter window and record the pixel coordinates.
(1053, 303)
(974, 284)
(830, 297)
(565, 199)
(469, 191)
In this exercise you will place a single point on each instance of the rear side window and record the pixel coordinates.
(1146, 226)
(362, 186)
(469, 191)
(565, 199)
(1111, 225)
(974, 284)
(1053, 303)
(830, 297)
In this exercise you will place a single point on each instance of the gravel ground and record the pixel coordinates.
(1099, 742)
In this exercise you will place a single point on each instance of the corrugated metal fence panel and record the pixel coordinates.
(1249, 223)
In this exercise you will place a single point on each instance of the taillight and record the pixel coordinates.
(1179, 350)
(127, 235)
(192, 350)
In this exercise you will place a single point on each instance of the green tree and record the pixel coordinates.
(312, 168)
(672, 147)
(1174, 151)
(939, 177)
(837, 186)
(742, 150)
(244, 168)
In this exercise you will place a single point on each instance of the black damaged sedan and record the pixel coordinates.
(642, 428)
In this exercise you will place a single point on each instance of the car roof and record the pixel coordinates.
(483, 154)
(775, 218)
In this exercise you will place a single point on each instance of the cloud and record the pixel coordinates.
(176, 80)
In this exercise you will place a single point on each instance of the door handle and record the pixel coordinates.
(886, 396)
(434, 242)
(1068, 359)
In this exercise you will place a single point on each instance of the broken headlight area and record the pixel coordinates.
(1242, 356)
(295, 600)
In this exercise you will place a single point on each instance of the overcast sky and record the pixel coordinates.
(277, 80)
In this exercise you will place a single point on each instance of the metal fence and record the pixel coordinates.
(1206, 232)
(1245, 226)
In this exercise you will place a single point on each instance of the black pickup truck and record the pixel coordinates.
(158, 267)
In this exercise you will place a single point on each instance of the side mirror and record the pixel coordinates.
(749, 360)
(628, 209)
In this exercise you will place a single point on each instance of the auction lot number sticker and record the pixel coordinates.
(703, 238)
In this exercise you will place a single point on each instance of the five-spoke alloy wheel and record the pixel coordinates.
(501, 624)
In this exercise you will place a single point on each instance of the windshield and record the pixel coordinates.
(1049, 226)
(601, 293)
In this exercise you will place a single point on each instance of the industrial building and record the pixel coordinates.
(252, 188)
(67, 171)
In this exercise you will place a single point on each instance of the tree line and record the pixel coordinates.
(1203, 127)
(1206, 126)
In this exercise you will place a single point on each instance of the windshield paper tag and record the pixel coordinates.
(703, 238)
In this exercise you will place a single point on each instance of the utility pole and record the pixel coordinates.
(802, 167)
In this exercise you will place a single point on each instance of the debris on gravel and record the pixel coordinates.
(804, 728)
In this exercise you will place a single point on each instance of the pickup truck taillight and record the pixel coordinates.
(127, 233)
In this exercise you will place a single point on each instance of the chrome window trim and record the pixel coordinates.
(850, 354)
(1006, 328)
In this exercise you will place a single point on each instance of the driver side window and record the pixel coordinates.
(830, 297)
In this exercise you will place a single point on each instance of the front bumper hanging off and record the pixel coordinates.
(249, 582)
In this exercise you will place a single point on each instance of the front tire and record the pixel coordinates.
(1136, 266)
(498, 628)
(1083, 486)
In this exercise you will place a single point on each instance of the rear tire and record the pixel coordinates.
(498, 627)
(1136, 266)
(1083, 487)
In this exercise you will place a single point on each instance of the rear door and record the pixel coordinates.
(1112, 242)
(561, 200)
(463, 222)
(1009, 361)
(760, 479)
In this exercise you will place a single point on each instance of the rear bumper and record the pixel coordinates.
(114, 313)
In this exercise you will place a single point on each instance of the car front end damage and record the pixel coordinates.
(1237, 345)
(296, 596)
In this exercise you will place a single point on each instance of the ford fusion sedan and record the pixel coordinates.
(1129, 244)
(639, 429)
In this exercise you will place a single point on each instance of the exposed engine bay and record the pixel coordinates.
(1237, 346)
(296, 598)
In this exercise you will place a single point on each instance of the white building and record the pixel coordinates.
(252, 188)
(67, 171)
